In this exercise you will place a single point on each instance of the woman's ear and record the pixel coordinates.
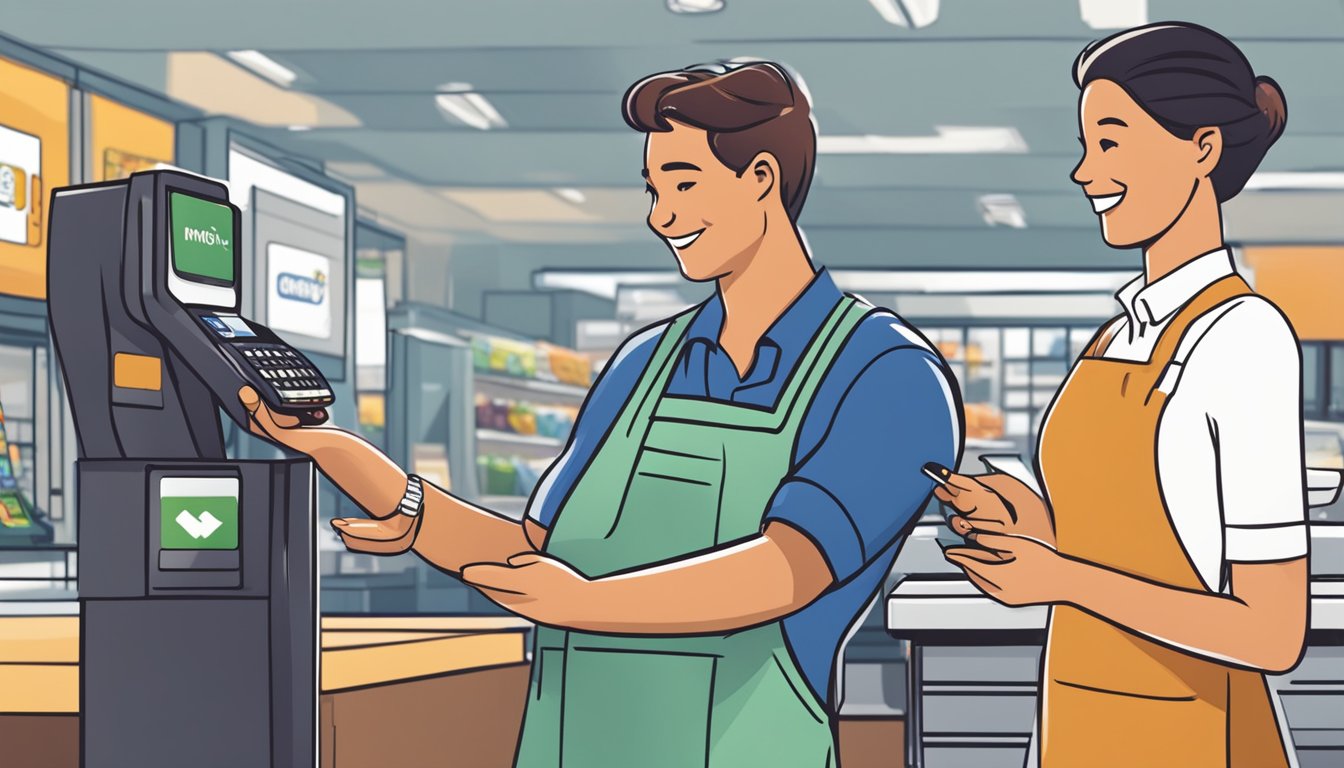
(1209, 148)
(764, 173)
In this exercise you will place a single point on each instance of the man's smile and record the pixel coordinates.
(685, 240)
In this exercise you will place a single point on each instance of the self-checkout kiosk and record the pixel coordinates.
(196, 572)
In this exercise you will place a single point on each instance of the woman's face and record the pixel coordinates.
(1138, 177)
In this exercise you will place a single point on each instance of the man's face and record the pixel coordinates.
(710, 217)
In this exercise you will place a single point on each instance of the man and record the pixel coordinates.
(738, 482)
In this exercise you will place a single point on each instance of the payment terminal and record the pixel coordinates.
(197, 571)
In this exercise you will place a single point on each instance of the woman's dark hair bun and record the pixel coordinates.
(1269, 98)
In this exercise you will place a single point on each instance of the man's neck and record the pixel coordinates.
(775, 273)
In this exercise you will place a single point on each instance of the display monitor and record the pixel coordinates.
(202, 245)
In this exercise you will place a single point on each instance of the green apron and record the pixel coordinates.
(675, 476)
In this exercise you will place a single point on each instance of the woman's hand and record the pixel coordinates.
(1013, 570)
(391, 535)
(534, 586)
(996, 503)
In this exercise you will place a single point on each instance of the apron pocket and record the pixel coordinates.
(676, 502)
(631, 708)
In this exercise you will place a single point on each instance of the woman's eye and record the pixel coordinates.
(685, 185)
(1107, 144)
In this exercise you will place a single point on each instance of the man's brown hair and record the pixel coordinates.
(746, 110)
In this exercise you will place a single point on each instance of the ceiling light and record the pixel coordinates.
(949, 140)
(1002, 210)
(1114, 14)
(469, 107)
(1296, 180)
(574, 196)
(907, 13)
(694, 6)
(264, 65)
(300, 128)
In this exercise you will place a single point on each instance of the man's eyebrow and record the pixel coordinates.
(1112, 121)
(680, 167)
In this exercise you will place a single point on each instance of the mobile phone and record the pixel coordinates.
(937, 473)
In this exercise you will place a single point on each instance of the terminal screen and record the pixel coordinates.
(202, 239)
(229, 326)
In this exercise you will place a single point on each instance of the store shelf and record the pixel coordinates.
(495, 437)
(535, 388)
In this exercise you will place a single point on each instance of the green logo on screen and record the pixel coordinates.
(198, 522)
(209, 237)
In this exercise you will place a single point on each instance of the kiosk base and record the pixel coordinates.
(199, 629)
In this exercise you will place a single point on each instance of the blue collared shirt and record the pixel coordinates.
(885, 407)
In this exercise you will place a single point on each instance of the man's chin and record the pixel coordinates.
(695, 271)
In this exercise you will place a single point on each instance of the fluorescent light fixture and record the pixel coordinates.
(572, 195)
(948, 140)
(462, 103)
(1114, 14)
(1002, 210)
(912, 14)
(264, 65)
(300, 128)
(1303, 180)
(694, 6)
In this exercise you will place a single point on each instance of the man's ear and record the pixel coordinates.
(764, 173)
(1209, 148)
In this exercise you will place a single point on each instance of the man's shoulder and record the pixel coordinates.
(882, 332)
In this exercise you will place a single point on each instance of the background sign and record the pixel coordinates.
(299, 295)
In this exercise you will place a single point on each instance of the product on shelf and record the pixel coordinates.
(524, 418)
(541, 361)
(983, 421)
(509, 475)
(569, 366)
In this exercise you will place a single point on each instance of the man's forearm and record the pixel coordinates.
(751, 583)
(453, 532)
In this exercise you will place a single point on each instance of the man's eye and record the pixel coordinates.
(1107, 144)
(685, 185)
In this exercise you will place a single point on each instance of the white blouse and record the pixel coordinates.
(1229, 444)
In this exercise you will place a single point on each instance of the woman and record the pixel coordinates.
(1171, 542)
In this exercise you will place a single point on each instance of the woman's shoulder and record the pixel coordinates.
(1249, 328)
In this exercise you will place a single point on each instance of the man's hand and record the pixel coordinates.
(277, 427)
(534, 586)
(392, 535)
(996, 503)
(1014, 570)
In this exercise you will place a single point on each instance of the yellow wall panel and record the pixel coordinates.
(1305, 282)
(34, 159)
(124, 140)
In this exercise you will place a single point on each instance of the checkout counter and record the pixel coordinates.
(974, 665)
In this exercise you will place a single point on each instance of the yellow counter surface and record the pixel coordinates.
(39, 655)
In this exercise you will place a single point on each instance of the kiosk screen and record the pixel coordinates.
(202, 239)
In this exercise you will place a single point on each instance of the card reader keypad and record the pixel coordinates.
(292, 376)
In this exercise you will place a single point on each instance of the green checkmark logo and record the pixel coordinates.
(198, 522)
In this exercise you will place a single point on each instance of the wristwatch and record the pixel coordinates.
(414, 499)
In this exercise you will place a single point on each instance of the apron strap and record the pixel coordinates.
(1176, 343)
(656, 374)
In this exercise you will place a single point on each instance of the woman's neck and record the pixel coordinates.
(1198, 231)
(776, 271)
